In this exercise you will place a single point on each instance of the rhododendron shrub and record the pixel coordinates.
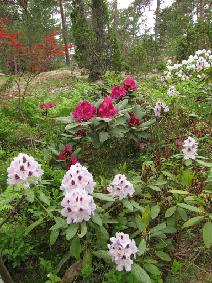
(194, 66)
(115, 116)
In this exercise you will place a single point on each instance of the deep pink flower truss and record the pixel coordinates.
(84, 111)
(47, 105)
(107, 109)
(133, 121)
(118, 92)
(130, 84)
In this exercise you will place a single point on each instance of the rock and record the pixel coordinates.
(2, 75)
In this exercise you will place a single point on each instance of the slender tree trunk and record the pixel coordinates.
(97, 60)
(157, 13)
(115, 15)
(64, 31)
(201, 9)
(5, 273)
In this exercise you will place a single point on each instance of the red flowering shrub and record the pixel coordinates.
(72, 161)
(133, 121)
(130, 84)
(106, 109)
(47, 105)
(84, 111)
(118, 92)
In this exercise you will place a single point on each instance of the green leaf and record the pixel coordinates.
(170, 211)
(154, 188)
(103, 136)
(83, 230)
(142, 247)
(203, 163)
(139, 223)
(97, 219)
(193, 221)
(53, 236)
(190, 207)
(33, 225)
(104, 197)
(157, 228)
(30, 195)
(164, 256)
(153, 269)
(187, 178)
(75, 248)
(140, 274)
(207, 234)
(60, 223)
(182, 213)
(155, 211)
(103, 254)
(44, 198)
(71, 231)
(127, 204)
(179, 192)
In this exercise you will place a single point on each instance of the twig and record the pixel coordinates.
(5, 273)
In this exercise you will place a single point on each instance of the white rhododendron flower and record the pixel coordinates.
(24, 169)
(121, 249)
(201, 64)
(171, 90)
(159, 106)
(120, 187)
(78, 177)
(78, 206)
(190, 148)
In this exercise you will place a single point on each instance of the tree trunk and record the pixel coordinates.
(64, 32)
(5, 273)
(97, 57)
(157, 13)
(115, 15)
(201, 9)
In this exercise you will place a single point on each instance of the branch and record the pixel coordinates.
(72, 272)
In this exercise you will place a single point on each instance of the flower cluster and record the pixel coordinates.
(190, 148)
(78, 205)
(119, 91)
(24, 169)
(171, 90)
(107, 109)
(120, 187)
(84, 111)
(78, 177)
(121, 249)
(159, 106)
(67, 153)
(133, 121)
(202, 59)
(47, 105)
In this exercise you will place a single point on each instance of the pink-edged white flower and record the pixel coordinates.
(24, 169)
(202, 64)
(121, 249)
(190, 148)
(120, 187)
(171, 90)
(78, 206)
(78, 177)
(159, 106)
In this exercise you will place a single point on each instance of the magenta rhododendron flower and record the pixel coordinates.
(72, 161)
(47, 105)
(107, 109)
(84, 111)
(178, 142)
(62, 155)
(78, 205)
(133, 121)
(24, 169)
(117, 92)
(121, 249)
(68, 148)
(130, 84)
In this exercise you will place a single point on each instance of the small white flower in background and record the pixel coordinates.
(78, 206)
(120, 187)
(190, 148)
(121, 249)
(78, 177)
(171, 90)
(165, 107)
(24, 169)
(159, 106)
